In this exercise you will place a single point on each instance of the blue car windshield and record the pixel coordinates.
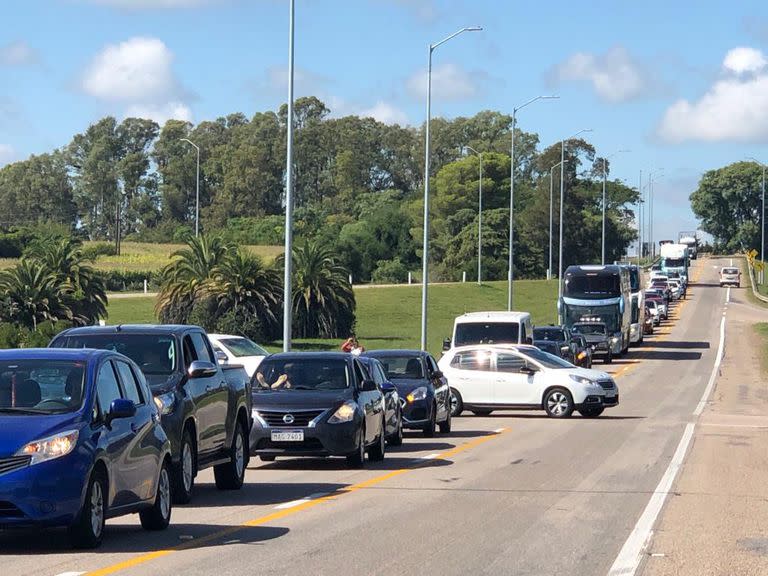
(41, 386)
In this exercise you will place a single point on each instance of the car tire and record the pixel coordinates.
(592, 412)
(159, 515)
(482, 412)
(230, 476)
(608, 358)
(377, 452)
(267, 458)
(183, 476)
(558, 403)
(457, 404)
(429, 427)
(396, 439)
(88, 530)
(445, 425)
(357, 458)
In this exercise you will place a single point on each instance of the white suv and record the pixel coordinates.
(484, 378)
(731, 276)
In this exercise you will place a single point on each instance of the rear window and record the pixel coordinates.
(399, 367)
(469, 333)
(154, 353)
(730, 270)
(551, 334)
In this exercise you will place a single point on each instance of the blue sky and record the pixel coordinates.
(682, 85)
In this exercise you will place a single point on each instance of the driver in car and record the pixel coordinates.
(283, 381)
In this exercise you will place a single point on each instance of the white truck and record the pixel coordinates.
(674, 258)
(691, 242)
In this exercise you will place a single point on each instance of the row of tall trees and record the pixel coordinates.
(358, 188)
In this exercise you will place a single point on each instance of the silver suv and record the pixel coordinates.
(731, 276)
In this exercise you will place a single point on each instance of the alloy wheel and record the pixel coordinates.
(164, 491)
(97, 509)
(186, 466)
(558, 403)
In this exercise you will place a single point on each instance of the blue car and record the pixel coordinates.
(80, 442)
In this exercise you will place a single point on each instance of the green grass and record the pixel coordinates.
(144, 256)
(391, 317)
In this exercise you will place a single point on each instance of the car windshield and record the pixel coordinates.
(41, 386)
(469, 333)
(399, 367)
(301, 374)
(551, 334)
(546, 359)
(240, 347)
(154, 353)
(589, 328)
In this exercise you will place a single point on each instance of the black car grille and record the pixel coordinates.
(301, 418)
(8, 510)
(13, 463)
(606, 384)
(306, 445)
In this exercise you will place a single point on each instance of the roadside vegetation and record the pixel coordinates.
(761, 329)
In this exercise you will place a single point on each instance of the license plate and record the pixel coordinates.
(288, 436)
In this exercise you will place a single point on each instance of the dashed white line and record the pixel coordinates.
(300, 501)
(429, 457)
(728, 295)
(715, 369)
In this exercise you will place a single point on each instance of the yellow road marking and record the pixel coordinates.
(144, 558)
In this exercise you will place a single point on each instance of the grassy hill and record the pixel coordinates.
(390, 317)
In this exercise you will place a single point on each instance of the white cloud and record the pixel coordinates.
(615, 75)
(160, 113)
(7, 154)
(449, 82)
(735, 108)
(17, 54)
(743, 60)
(386, 113)
(138, 73)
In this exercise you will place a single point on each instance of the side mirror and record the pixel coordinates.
(368, 386)
(528, 369)
(446, 344)
(201, 369)
(120, 408)
(221, 357)
(388, 387)
(437, 374)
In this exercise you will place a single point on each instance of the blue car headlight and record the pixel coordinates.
(419, 393)
(51, 447)
(165, 403)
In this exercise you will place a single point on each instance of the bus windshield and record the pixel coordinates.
(634, 279)
(674, 262)
(593, 285)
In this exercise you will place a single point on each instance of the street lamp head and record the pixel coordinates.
(473, 28)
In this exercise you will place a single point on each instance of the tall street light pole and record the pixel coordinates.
(287, 289)
(762, 218)
(479, 219)
(197, 187)
(551, 204)
(605, 178)
(511, 268)
(651, 246)
(425, 250)
(562, 195)
(639, 219)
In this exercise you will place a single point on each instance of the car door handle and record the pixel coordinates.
(134, 427)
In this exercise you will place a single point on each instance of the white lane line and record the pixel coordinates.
(632, 552)
(728, 295)
(300, 501)
(70, 574)
(499, 430)
(715, 369)
(429, 457)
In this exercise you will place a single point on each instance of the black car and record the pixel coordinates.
(424, 393)
(317, 404)
(598, 338)
(394, 411)
(555, 340)
(205, 408)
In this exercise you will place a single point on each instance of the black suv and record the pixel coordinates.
(205, 408)
(596, 335)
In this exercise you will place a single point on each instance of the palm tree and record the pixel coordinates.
(85, 292)
(187, 277)
(323, 302)
(249, 291)
(33, 294)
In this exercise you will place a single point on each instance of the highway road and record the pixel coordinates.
(512, 493)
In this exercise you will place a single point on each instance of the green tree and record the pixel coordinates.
(32, 294)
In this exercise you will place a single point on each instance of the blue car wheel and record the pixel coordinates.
(88, 529)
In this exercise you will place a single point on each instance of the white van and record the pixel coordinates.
(491, 328)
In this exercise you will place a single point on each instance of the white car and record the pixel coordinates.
(484, 378)
(655, 311)
(232, 349)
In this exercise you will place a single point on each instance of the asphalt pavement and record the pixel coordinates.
(511, 493)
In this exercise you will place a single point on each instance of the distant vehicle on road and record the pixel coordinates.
(660, 301)
(690, 240)
(393, 408)
(491, 328)
(423, 389)
(317, 404)
(598, 337)
(730, 276)
(487, 378)
(81, 442)
(674, 258)
(599, 294)
(555, 340)
(238, 350)
(205, 408)
(636, 332)
(654, 311)
(650, 320)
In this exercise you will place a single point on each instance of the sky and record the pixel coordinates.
(683, 86)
